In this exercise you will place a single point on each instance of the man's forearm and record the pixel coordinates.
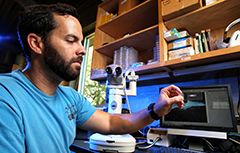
(129, 123)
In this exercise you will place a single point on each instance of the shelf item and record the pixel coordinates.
(204, 41)
(173, 9)
(216, 56)
(125, 56)
(171, 35)
(107, 17)
(180, 43)
(209, 39)
(181, 53)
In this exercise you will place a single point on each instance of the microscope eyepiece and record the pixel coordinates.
(118, 71)
(108, 70)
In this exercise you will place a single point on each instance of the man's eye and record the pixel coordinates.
(70, 41)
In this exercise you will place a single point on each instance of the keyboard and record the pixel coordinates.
(163, 149)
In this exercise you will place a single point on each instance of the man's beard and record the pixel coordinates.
(58, 65)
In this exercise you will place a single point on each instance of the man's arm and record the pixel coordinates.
(106, 123)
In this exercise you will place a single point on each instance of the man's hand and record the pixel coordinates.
(168, 96)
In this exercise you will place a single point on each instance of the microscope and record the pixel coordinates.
(116, 83)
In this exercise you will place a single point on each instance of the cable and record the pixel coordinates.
(139, 143)
(125, 93)
(141, 132)
(125, 88)
(209, 144)
(127, 100)
(146, 147)
(232, 134)
(184, 141)
(234, 140)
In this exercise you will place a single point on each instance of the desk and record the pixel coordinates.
(82, 146)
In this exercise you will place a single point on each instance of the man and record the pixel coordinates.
(37, 114)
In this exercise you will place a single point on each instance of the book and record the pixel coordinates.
(171, 34)
(180, 43)
(208, 2)
(184, 33)
(209, 39)
(182, 52)
(196, 45)
(204, 41)
(198, 37)
(157, 53)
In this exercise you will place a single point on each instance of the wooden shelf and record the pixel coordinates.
(148, 36)
(215, 16)
(216, 56)
(144, 22)
(140, 17)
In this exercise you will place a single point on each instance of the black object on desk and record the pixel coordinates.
(80, 149)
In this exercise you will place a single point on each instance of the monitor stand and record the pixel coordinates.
(195, 143)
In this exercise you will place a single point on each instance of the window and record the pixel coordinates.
(92, 90)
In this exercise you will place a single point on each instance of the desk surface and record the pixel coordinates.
(83, 145)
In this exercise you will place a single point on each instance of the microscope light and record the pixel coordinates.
(116, 83)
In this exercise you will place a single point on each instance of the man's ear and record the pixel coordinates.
(35, 43)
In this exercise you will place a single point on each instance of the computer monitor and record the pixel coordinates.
(207, 113)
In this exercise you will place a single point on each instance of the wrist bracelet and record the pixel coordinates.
(152, 113)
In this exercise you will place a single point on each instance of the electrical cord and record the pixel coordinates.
(127, 100)
(233, 134)
(234, 137)
(125, 93)
(234, 140)
(184, 141)
(209, 144)
(146, 147)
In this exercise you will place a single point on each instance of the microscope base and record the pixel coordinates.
(119, 143)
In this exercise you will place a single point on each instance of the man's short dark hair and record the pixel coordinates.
(39, 19)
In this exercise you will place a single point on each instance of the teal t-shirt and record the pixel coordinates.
(33, 122)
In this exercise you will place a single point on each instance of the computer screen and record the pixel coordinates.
(207, 112)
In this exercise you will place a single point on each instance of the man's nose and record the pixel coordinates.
(81, 50)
